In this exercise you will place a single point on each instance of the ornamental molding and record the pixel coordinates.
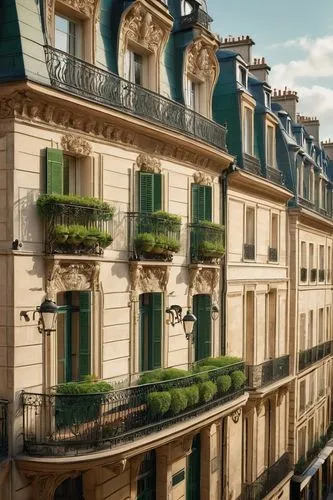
(29, 107)
(147, 163)
(148, 279)
(236, 415)
(201, 61)
(203, 179)
(140, 26)
(204, 281)
(117, 467)
(281, 394)
(260, 408)
(75, 144)
(87, 8)
(186, 444)
(68, 276)
(44, 485)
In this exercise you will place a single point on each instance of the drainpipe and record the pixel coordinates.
(224, 206)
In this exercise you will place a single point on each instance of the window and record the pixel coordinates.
(151, 307)
(272, 310)
(68, 35)
(328, 323)
(250, 326)
(302, 332)
(301, 442)
(321, 263)
(323, 195)
(302, 396)
(134, 67)
(310, 433)
(270, 145)
(66, 174)
(186, 8)
(193, 468)
(274, 238)
(267, 99)
(150, 192)
(249, 245)
(202, 310)
(304, 263)
(248, 130)
(201, 199)
(288, 126)
(192, 98)
(73, 336)
(321, 326)
(242, 76)
(329, 264)
(70, 488)
(146, 480)
(311, 341)
(312, 388)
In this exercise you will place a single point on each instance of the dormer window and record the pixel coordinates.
(267, 99)
(270, 146)
(288, 126)
(242, 76)
(68, 36)
(248, 130)
(186, 8)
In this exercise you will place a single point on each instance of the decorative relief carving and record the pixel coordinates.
(187, 444)
(117, 467)
(281, 394)
(203, 178)
(67, 276)
(236, 415)
(44, 485)
(201, 60)
(28, 106)
(75, 144)
(140, 27)
(147, 163)
(204, 281)
(148, 279)
(85, 7)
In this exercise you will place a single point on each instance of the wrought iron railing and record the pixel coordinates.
(306, 203)
(206, 243)
(268, 372)
(313, 275)
(251, 164)
(272, 476)
(71, 216)
(304, 274)
(272, 254)
(274, 175)
(249, 252)
(90, 82)
(62, 424)
(197, 16)
(3, 429)
(321, 275)
(152, 237)
(314, 354)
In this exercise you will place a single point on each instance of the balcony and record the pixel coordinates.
(268, 372)
(153, 236)
(304, 274)
(207, 242)
(269, 479)
(314, 354)
(78, 77)
(274, 175)
(72, 424)
(249, 252)
(75, 225)
(251, 164)
(3, 429)
(321, 275)
(197, 16)
(272, 254)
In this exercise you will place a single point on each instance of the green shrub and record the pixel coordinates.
(104, 239)
(192, 394)
(238, 379)
(172, 373)
(207, 391)
(173, 245)
(212, 225)
(167, 221)
(76, 233)
(202, 368)
(150, 377)
(49, 205)
(144, 242)
(158, 403)
(61, 229)
(178, 400)
(210, 248)
(161, 241)
(86, 387)
(220, 362)
(223, 383)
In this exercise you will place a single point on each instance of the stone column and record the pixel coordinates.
(164, 472)
(210, 461)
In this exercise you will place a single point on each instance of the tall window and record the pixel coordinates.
(151, 306)
(248, 130)
(73, 336)
(70, 488)
(134, 67)
(242, 76)
(302, 332)
(193, 95)
(193, 474)
(272, 317)
(250, 328)
(302, 396)
(321, 326)
(202, 310)
(311, 257)
(274, 238)
(68, 35)
(146, 480)
(311, 341)
(65, 174)
(201, 202)
(328, 323)
(329, 263)
(270, 143)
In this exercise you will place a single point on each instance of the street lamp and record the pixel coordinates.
(188, 324)
(47, 311)
(175, 317)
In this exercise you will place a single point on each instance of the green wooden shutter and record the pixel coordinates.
(146, 192)
(201, 203)
(193, 471)
(195, 202)
(207, 202)
(84, 333)
(54, 171)
(144, 334)
(155, 346)
(66, 359)
(202, 305)
(157, 192)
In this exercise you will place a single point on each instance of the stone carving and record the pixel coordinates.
(260, 407)
(187, 444)
(147, 163)
(28, 106)
(202, 178)
(282, 392)
(140, 27)
(148, 278)
(85, 7)
(66, 276)
(236, 415)
(204, 281)
(117, 467)
(75, 144)
(44, 485)
(201, 60)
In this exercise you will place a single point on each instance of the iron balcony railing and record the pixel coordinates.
(197, 16)
(274, 175)
(63, 424)
(314, 354)
(268, 372)
(251, 164)
(321, 275)
(249, 251)
(304, 274)
(206, 243)
(3, 429)
(269, 479)
(152, 237)
(272, 254)
(71, 216)
(90, 82)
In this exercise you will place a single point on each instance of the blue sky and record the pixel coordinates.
(296, 38)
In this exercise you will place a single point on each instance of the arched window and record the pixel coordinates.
(70, 489)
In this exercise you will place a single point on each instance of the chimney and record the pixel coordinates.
(288, 99)
(328, 148)
(311, 125)
(242, 45)
(260, 69)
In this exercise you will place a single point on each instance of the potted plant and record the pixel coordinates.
(61, 233)
(76, 234)
(167, 221)
(91, 238)
(104, 239)
(173, 246)
(161, 243)
(144, 242)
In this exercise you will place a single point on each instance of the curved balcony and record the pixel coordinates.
(207, 242)
(74, 424)
(197, 16)
(89, 82)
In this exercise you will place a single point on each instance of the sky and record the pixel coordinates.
(296, 39)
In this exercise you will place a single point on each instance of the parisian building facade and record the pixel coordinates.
(166, 235)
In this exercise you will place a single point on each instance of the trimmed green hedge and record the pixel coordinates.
(77, 234)
(192, 394)
(162, 374)
(207, 391)
(238, 379)
(178, 400)
(49, 205)
(158, 403)
(223, 383)
(87, 387)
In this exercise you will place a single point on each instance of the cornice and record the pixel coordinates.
(44, 107)
(258, 186)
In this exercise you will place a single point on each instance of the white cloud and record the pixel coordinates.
(316, 99)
